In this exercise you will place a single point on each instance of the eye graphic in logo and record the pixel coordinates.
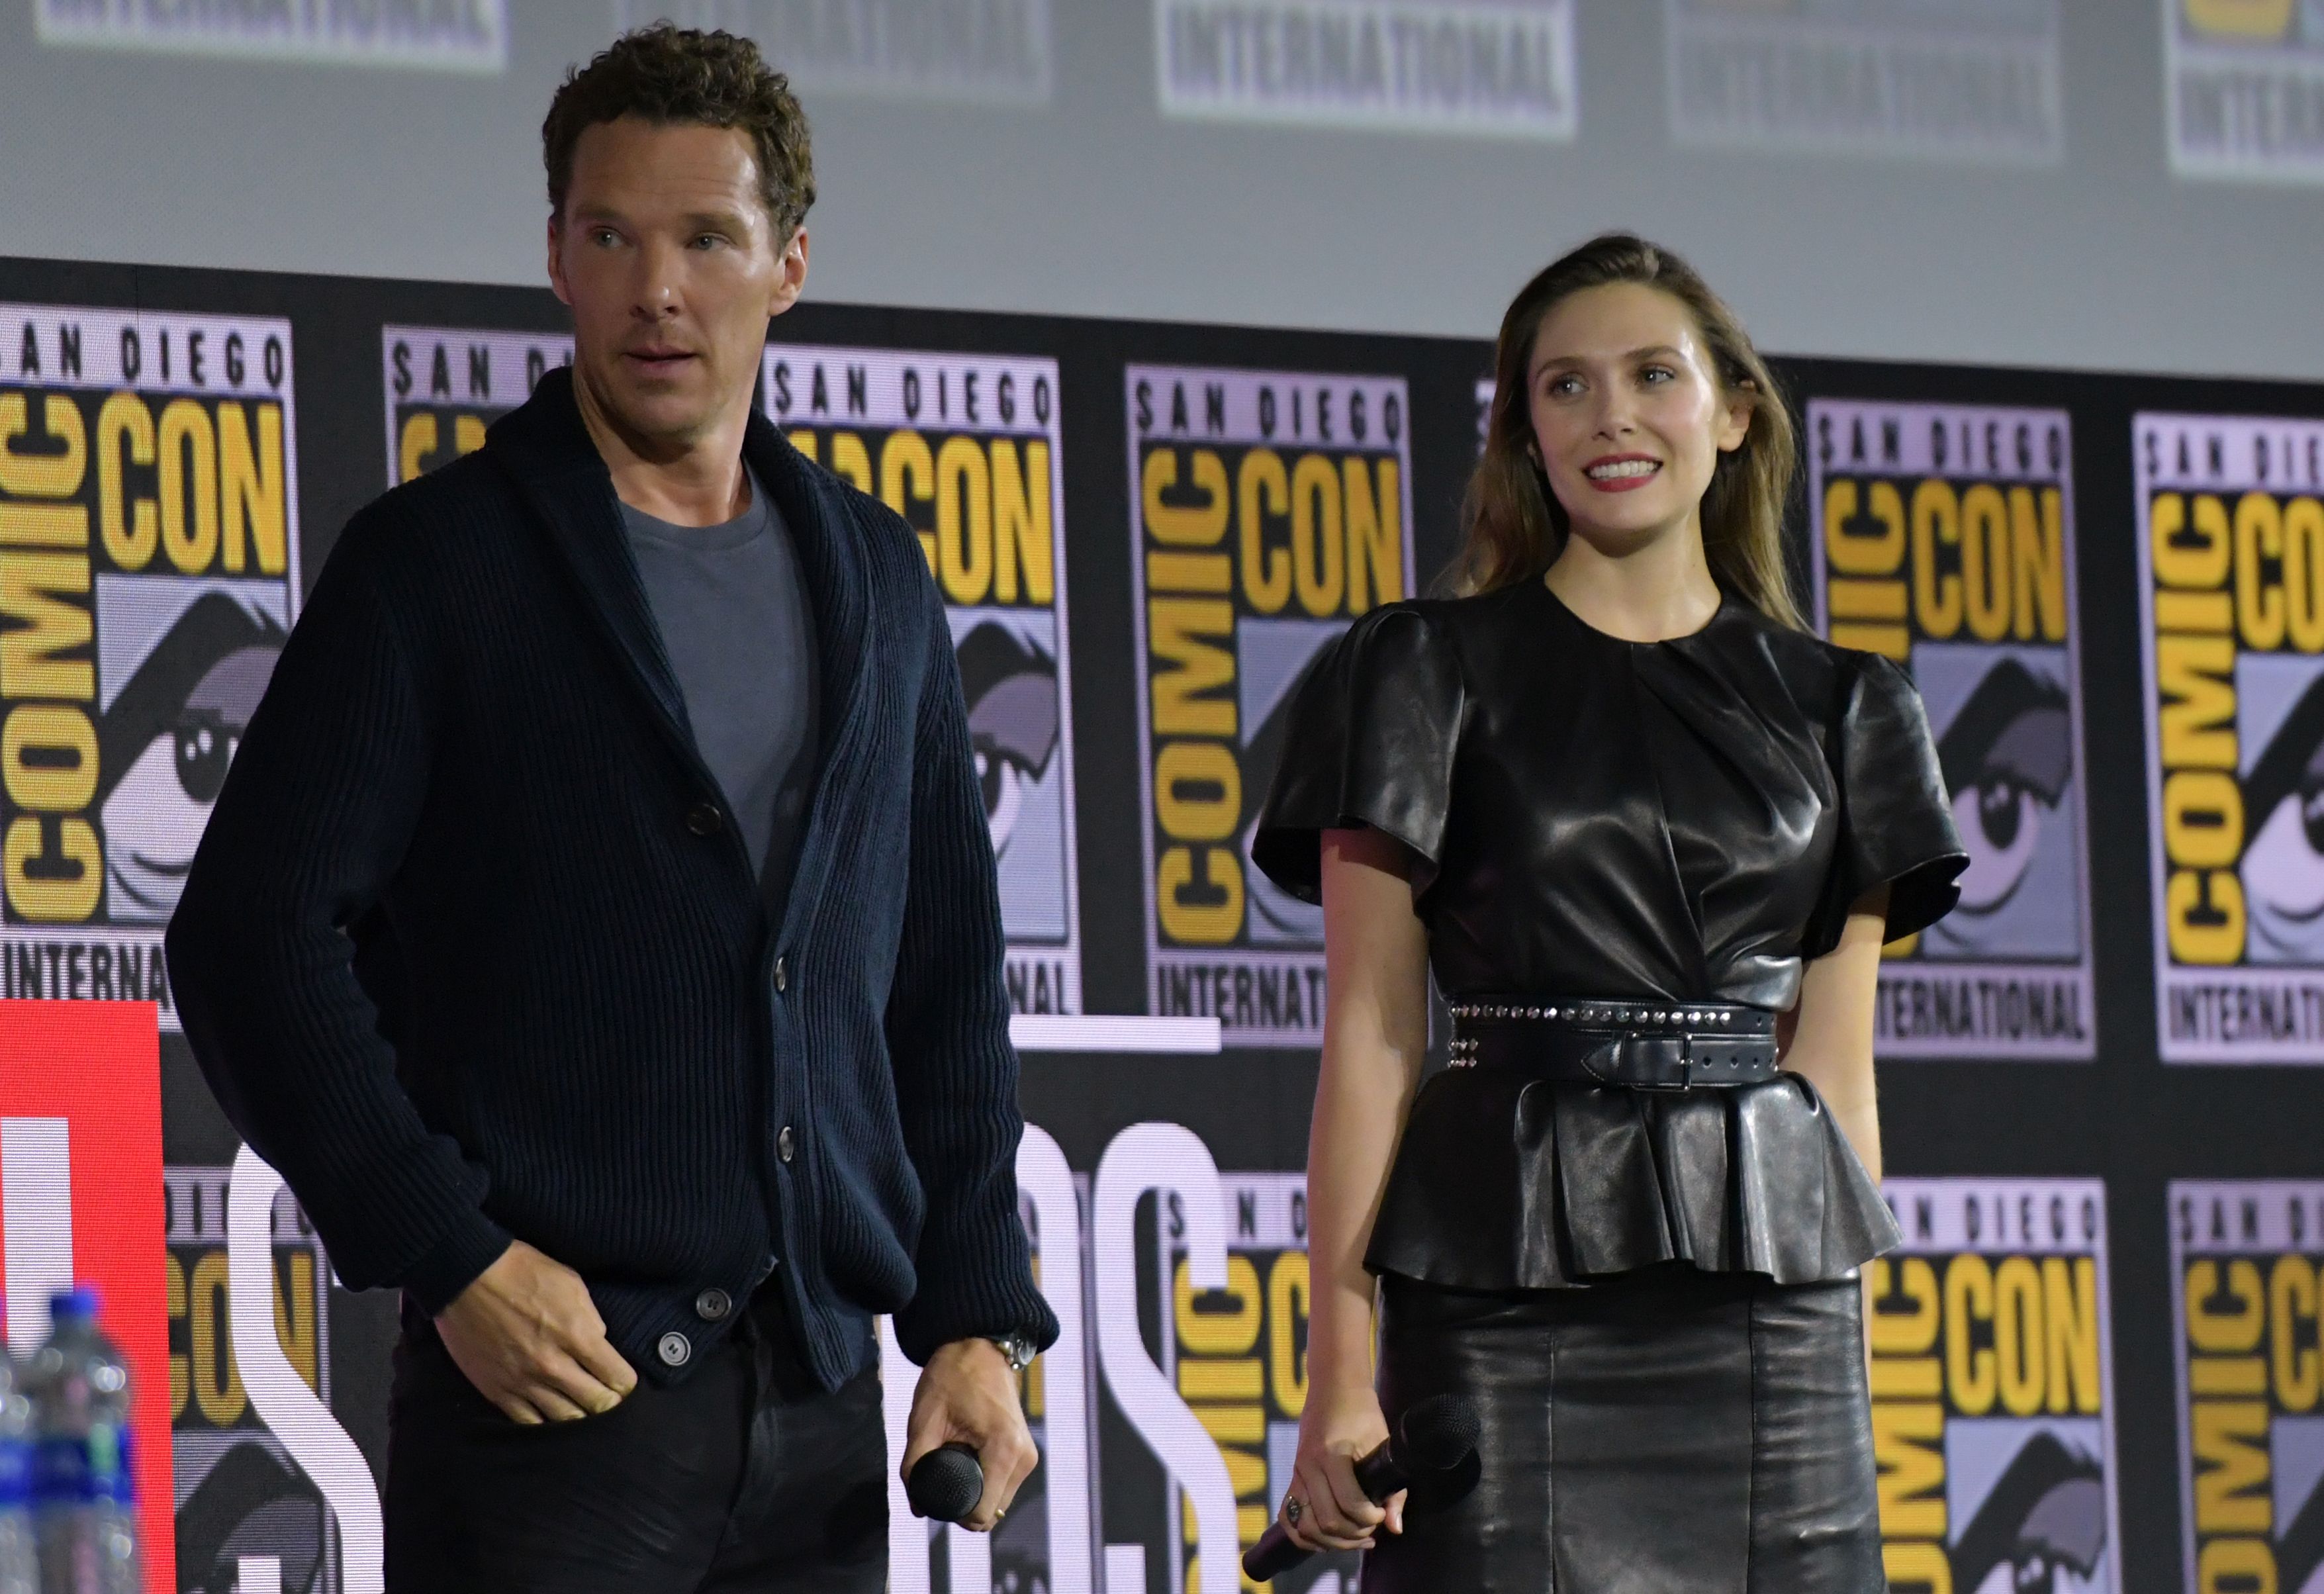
(2045, 1516)
(163, 746)
(1011, 687)
(2300, 1552)
(249, 1504)
(2006, 758)
(2283, 862)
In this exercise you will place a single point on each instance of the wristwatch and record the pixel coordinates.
(1019, 1349)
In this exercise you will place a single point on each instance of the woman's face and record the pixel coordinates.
(1628, 416)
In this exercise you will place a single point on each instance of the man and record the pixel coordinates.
(598, 929)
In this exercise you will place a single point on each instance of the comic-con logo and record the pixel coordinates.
(2231, 615)
(239, 1491)
(1238, 1357)
(2244, 1260)
(1992, 1389)
(445, 387)
(1944, 539)
(966, 448)
(1269, 511)
(2246, 88)
(148, 573)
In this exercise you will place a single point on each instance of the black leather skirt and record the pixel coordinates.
(1664, 1431)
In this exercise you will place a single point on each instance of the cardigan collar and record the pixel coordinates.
(548, 453)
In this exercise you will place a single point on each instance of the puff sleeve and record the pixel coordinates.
(1370, 742)
(1896, 820)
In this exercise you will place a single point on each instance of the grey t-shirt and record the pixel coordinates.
(737, 624)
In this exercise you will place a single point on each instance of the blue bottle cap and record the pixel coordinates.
(81, 1303)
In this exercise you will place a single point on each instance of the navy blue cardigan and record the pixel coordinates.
(472, 949)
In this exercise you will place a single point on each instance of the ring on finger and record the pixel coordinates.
(1292, 1509)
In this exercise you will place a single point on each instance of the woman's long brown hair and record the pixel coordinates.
(1512, 525)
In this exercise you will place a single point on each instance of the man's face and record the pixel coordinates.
(667, 257)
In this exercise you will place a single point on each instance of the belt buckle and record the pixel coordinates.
(1685, 1080)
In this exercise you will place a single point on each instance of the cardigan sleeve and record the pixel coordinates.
(317, 809)
(947, 1030)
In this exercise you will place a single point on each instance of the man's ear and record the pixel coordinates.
(557, 263)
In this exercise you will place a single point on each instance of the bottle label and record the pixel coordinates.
(60, 1472)
(111, 1476)
(15, 1472)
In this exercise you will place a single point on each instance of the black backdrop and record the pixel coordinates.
(2127, 1118)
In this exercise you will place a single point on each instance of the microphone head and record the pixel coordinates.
(945, 1483)
(1438, 1433)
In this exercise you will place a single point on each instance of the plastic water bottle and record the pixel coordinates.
(84, 1499)
(20, 1556)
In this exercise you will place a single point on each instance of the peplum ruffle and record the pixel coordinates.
(1504, 1182)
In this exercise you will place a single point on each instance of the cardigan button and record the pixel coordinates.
(675, 1350)
(786, 1144)
(713, 1305)
(703, 819)
(782, 975)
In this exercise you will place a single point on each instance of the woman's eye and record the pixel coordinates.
(1658, 374)
(1560, 387)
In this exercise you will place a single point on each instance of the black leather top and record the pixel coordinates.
(1685, 820)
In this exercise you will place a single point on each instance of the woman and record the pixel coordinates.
(1649, 835)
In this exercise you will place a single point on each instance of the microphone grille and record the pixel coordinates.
(944, 1484)
(1440, 1432)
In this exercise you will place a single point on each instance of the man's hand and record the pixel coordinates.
(967, 1393)
(530, 1339)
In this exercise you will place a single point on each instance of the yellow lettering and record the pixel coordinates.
(2291, 1305)
(2197, 678)
(1985, 561)
(1937, 597)
(1023, 526)
(2229, 1439)
(1175, 628)
(53, 897)
(1262, 489)
(1969, 1370)
(2037, 544)
(125, 426)
(1318, 557)
(43, 475)
(1197, 525)
(964, 520)
(1287, 1291)
(1197, 791)
(2204, 913)
(251, 484)
(217, 1382)
(2202, 818)
(1908, 1446)
(2017, 1338)
(1853, 551)
(2236, 1566)
(1375, 533)
(46, 627)
(2189, 550)
(50, 786)
(1193, 923)
(2303, 573)
(2070, 1313)
(188, 444)
(2232, 1332)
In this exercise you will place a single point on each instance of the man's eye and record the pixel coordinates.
(603, 236)
(705, 240)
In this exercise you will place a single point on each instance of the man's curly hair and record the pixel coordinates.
(672, 75)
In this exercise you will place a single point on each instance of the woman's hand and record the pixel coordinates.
(1338, 1426)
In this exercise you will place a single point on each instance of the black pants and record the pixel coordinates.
(747, 1476)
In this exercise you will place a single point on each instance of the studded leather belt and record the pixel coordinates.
(1645, 1045)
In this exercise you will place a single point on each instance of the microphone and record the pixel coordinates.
(1434, 1436)
(945, 1483)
